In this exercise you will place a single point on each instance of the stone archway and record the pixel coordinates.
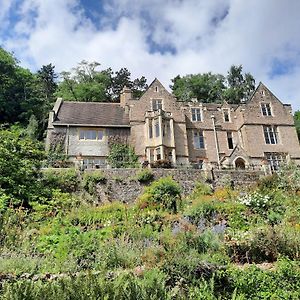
(240, 163)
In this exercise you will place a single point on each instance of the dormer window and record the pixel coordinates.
(156, 104)
(226, 115)
(266, 109)
(196, 115)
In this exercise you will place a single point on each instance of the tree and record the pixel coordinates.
(240, 86)
(47, 79)
(20, 161)
(85, 83)
(121, 79)
(139, 86)
(206, 87)
(297, 122)
(15, 88)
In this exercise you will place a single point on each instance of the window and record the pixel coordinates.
(199, 140)
(230, 140)
(156, 89)
(90, 134)
(150, 129)
(271, 136)
(158, 154)
(226, 115)
(156, 104)
(196, 115)
(151, 155)
(157, 129)
(275, 160)
(266, 109)
(94, 163)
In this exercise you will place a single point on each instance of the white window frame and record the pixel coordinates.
(196, 113)
(157, 104)
(275, 160)
(84, 134)
(271, 135)
(266, 109)
(198, 139)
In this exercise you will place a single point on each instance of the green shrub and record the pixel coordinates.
(122, 156)
(163, 193)
(265, 244)
(144, 176)
(201, 189)
(91, 179)
(67, 180)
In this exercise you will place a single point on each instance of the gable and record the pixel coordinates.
(156, 91)
(253, 108)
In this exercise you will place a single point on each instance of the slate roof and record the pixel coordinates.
(91, 113)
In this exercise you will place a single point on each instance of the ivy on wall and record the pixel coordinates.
(122, 156)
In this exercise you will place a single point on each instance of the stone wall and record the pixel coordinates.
(122, 185)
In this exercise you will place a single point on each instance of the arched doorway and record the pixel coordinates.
(240, 164)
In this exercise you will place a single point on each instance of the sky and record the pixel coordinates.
(160, 38)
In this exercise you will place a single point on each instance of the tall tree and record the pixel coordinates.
(240, 86)
(85, 83)
(15, 88)
(47, 79)
(206, 87)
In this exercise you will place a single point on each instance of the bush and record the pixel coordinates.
(162, 163)
(67, 180)
(144, 176)
(264, 244)
(164, 193)
(91, 179)
(122, 156)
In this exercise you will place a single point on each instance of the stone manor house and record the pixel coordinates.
(257, 133)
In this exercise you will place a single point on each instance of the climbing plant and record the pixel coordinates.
(122, 156)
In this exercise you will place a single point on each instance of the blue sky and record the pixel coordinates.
(160, 38)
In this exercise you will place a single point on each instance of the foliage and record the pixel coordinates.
(122, 156)
(162, 163)
(208, 87)
(144, 176)
(20, 161)
(24, 94)
(86, 83)
(205, 87)
(163, 193)
(91, 179)
(66, 180)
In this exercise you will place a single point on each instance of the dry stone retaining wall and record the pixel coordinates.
(122, 185)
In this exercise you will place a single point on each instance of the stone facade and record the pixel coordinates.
(257, 134)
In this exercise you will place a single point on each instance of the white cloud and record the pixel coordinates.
(202, 36)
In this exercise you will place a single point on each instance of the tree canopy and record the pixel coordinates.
(86, 83)
(24, 94)
(208, 87)
(20, 160)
